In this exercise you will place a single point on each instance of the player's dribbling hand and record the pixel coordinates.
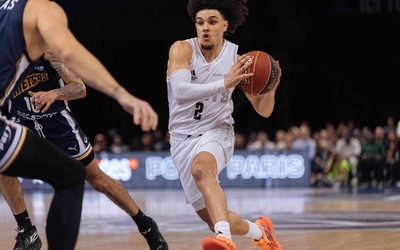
(238, 71)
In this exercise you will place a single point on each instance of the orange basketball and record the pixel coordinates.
(265, 74)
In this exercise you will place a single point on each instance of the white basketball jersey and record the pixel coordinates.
(198, 117)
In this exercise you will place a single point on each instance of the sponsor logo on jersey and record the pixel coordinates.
(31, 81)
(5, 137)
(194, 77)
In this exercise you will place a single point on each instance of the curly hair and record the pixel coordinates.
(234, 11)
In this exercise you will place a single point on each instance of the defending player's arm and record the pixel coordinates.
(74, 88)
(179, 72)
(53, 28)
(264, 104)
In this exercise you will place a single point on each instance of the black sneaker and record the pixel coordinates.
(153, 237)
(27, 240)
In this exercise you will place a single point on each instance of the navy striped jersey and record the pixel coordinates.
(43, 78)
(15, 63)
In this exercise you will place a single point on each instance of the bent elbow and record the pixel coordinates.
(84, 93)
(266, 114)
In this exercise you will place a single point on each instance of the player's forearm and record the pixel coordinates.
(185, 91)
(90, 70)
(71, 91)
(264, 105)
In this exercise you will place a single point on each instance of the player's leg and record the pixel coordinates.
(27, 237)
(101, 182)
(213, 156)
(117, 193)
(39, 159)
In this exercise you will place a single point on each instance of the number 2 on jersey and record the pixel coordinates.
(198, 110)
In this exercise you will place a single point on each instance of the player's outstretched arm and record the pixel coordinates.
(53, 28)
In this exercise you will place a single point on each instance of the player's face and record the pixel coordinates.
(210, 26)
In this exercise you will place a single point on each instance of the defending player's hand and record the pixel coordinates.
(238, 71)
(143, 113)
(42, 100)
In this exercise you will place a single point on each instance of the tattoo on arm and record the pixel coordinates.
(71, 91)
(74, 88)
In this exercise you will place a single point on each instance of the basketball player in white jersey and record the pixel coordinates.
(202, 74)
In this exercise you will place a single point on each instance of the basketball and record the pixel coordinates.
(265, 74)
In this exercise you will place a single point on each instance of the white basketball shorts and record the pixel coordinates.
(219, 142)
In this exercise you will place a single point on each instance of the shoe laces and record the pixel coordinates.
(227, 241)
(265, 243)
(20, 238)
(153, 237)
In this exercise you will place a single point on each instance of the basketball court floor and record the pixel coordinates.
(304, 218)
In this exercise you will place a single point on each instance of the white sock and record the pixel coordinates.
(223, 228)
(254, 231)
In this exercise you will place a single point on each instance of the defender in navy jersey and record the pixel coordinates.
(202, 74)
(52, 119)
(27, 28)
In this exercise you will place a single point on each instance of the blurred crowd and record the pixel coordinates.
(341, 155)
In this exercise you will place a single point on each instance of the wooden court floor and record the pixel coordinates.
(304, 218)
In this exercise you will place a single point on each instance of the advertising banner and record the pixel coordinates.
(245, 169)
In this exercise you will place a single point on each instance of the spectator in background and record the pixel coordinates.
(262, 142)
(330, 128)
(320, 160)
(337, 170)
(373, 156)
(379, 134)
(351, 126)
(147, 142)
(161, 140)
(340, 127)
(395, 167)
(158, 139)
(305, 142)
(324, 134)
(390, 125)
(100, 143)
(286, 143)
(383, 168)
(349, 149)
(279, 137)
(391, 144)
(365, 134)
(118, 146)
(357, 134)
(240, 141)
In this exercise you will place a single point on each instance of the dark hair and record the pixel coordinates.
(234, 11)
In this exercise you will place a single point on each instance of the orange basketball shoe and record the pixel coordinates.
(218, 243)
(268, 241)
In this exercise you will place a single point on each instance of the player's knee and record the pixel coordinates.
(197, 172)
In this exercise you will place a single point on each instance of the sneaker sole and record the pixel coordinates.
(36, 246)
(210, 243)
(268, 221)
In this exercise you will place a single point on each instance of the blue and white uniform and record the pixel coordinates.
(22, 152)
(15, 65)
(58, 123)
